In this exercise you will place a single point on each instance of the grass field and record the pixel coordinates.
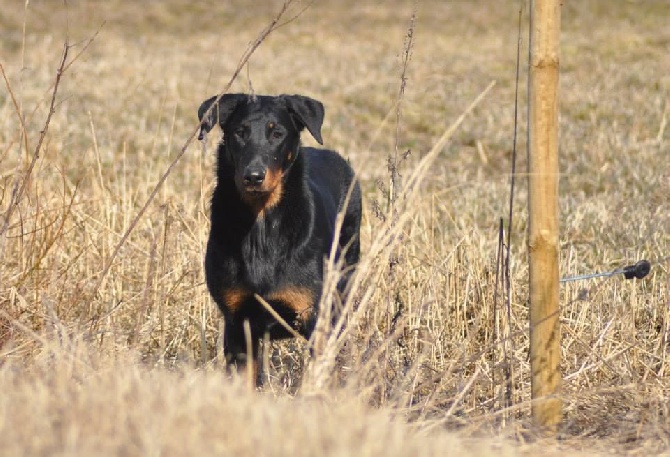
(110, 344)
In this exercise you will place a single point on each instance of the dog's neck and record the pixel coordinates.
(281, 231)
(283, 213)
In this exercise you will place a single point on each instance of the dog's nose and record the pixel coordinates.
(254, 176)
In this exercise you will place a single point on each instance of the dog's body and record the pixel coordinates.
(273, 216)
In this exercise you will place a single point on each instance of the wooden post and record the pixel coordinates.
(543, 213)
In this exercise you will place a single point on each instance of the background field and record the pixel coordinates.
(128, 363)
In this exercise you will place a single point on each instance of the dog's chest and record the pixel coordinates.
(275, 270)
(265, 256)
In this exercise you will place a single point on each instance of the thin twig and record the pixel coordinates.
(25, 120)
(507, 365)
(393, 165)
(17, 108)
(21, 184)
(251, 363)
(279, 319)
(496, 306)
(243, 60)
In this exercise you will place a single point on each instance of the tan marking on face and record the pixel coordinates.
(234, 297)
(269, 193)
(289, 156)
(298, 299)
(271, 125)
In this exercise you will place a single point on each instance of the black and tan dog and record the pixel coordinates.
(273, 216)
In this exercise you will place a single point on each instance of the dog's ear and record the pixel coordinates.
(307, 112)
(218, 114)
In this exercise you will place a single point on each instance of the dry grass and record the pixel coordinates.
(129, 363)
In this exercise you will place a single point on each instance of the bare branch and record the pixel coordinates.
(274, 24)
(17, 108)
(20, 185)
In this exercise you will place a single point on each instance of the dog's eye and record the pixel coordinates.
(239, 132)
(277, 134)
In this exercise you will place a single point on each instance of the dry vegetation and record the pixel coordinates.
(128, 363)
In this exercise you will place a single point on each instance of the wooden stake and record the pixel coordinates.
(543, 209)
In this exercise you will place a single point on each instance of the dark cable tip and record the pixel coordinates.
(639, 270)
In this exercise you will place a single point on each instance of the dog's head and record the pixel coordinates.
(261, 136)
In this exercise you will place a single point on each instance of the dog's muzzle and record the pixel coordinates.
(253, 177)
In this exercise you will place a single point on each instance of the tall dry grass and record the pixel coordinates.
(129, 363)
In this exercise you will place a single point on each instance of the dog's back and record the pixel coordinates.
(330, 178)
